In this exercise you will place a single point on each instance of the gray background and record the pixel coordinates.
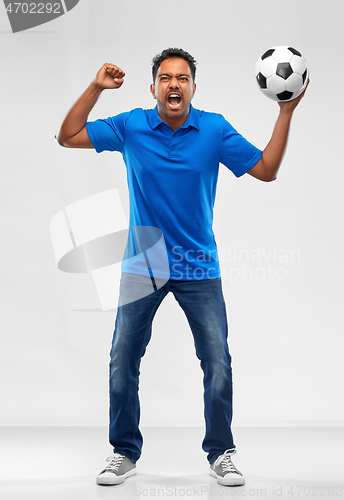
(285, 317)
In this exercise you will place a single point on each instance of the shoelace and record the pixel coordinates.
(114, 462)
(226, 462)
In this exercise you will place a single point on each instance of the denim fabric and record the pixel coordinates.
(203, 304)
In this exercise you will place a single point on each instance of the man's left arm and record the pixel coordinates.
(267, 167)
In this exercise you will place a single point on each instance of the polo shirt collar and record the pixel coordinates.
(192, 119)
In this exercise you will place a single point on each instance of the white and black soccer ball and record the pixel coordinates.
(282, 73)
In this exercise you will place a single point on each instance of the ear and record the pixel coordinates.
(152, 89)
(194, 89)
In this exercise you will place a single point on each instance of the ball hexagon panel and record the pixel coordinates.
(294, 82)
(298, 64)
(276, 84)
(269, 94)
(282, 54)
(268, 66)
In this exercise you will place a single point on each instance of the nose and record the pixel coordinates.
(174, 83)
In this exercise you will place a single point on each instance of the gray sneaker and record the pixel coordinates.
(224, 470)
(118, 468)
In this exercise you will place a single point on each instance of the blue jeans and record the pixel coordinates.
(203, 304)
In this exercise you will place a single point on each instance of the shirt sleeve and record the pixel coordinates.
(108, 134)
(236, 153)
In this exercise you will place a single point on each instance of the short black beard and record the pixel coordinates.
(165, 110)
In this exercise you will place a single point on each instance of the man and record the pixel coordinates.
(172, 155)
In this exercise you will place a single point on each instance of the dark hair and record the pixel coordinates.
(168, 54)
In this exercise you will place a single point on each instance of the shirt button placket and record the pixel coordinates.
(172, 147)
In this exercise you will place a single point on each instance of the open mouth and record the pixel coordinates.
(174, 100)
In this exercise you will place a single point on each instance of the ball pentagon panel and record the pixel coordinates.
(294, 51)
(261, 81)
(267, 53)
(285, 96)
(284, 70)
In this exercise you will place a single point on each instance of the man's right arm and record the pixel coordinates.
(73, 133)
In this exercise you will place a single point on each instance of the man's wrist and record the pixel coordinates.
(286, 109)
(96, 88)
(286, 113)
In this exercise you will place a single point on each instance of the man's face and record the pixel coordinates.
(173, 89)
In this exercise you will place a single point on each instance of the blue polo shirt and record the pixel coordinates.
(172, 178)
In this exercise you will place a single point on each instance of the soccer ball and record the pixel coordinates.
(281, 73)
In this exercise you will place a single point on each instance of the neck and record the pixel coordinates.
(174, 123)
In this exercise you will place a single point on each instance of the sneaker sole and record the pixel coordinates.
(109, 478)
(233, 481)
